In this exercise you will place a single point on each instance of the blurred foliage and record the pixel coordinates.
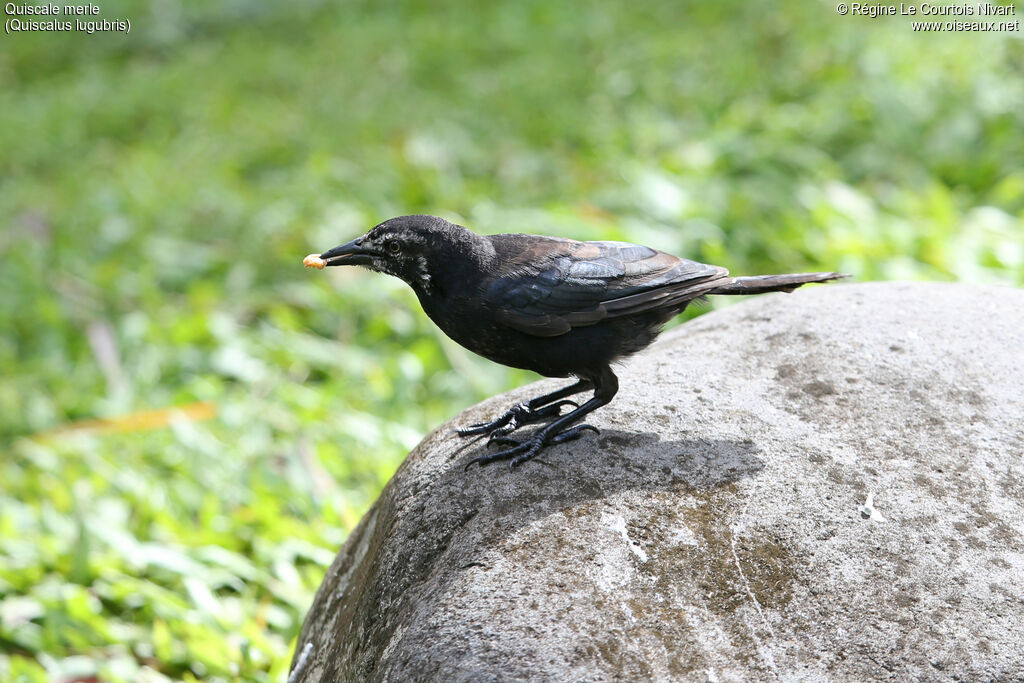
(240, 413)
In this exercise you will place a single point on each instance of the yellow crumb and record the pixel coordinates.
(314, 261)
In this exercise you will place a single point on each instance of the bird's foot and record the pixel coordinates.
(522, 450)
(517, 416)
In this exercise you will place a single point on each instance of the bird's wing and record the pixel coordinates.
(552, 285)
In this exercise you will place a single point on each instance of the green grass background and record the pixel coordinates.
(159, 190)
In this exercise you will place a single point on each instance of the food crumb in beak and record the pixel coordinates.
(314, 261)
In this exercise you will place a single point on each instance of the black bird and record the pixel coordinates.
(555, 306)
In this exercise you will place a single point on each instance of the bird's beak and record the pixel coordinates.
(348, 254)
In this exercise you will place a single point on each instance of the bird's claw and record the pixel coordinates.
(527, 449)
(574, 433)
(501, 438)
(520, 452)
(517, 416)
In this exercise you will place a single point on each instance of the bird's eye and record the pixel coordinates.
(393, 246)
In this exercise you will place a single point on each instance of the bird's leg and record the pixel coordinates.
(562, 429)
(534, 410)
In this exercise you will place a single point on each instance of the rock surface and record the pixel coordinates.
(716, 530)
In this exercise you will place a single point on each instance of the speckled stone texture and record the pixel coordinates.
(716, 529)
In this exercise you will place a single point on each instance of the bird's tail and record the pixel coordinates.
(759, 284)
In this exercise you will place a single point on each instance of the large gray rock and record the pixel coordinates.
(715, 530)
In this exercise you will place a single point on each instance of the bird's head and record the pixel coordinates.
(412, 248)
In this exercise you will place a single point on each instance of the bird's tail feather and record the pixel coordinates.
(759, 284)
